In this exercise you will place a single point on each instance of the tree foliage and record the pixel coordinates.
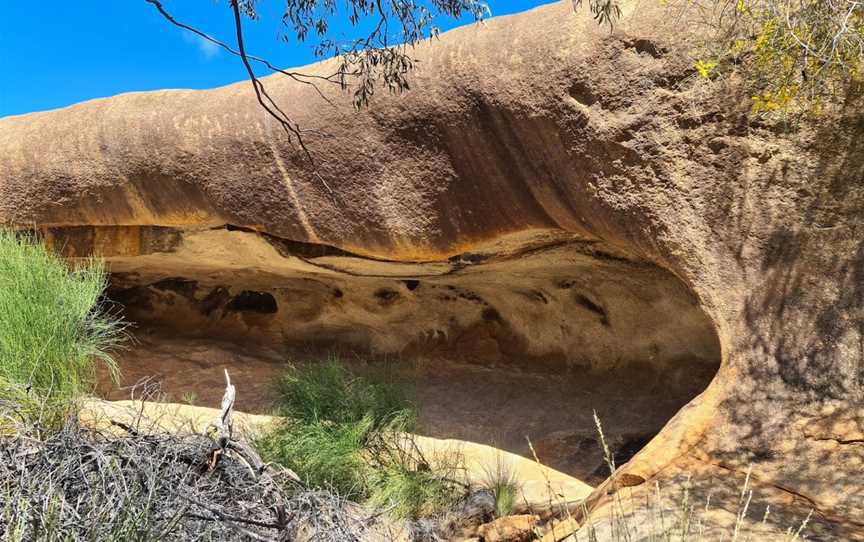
(604, 11)
(381, 55)
(795, 55)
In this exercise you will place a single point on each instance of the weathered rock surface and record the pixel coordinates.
(535, 132)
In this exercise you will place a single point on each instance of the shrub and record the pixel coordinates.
(331, 415)
(351, 434)
(412, 489)
(407, 482)
(324, 455)
(327, 391)
(53, 325)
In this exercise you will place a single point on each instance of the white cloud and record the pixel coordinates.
(207, 48)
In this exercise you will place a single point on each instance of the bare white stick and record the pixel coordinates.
(224, 423)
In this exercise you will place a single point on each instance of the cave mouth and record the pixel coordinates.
(525, 339)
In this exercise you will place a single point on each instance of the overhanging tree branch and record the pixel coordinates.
(290, 128)
(300, 77)
(363, 61)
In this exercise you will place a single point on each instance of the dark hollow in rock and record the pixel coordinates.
(179, 285)
(643, 46)
(534, 295)
(386, 296)
(593, 307)
(249, 301)
(133, 296)
(471, 296)
(623, 449)
(490, 315)
(582, 93)
(216, 299)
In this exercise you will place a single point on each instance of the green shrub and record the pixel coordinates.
(329, 392)
(406, 482)
(351, 434)
(322, 454)
(408, 492)
(53, 327)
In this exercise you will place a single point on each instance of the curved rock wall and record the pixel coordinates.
(547, 299)
(537, 121)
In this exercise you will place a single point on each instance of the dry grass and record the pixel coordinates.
(81, 484)
(654, 520)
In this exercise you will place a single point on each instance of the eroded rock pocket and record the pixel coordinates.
(526, 344)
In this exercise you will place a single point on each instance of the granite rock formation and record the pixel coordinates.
(548, 192)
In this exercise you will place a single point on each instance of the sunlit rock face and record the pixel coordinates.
(549, 194)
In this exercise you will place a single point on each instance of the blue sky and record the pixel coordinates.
(54, 53)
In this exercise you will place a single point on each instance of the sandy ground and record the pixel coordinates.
(500, 406)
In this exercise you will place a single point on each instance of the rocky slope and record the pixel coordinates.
(673, 214)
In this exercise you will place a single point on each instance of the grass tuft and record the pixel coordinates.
(328, 391)
(413, 487)
(406, 481)
(502, 481)
(324, 455)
